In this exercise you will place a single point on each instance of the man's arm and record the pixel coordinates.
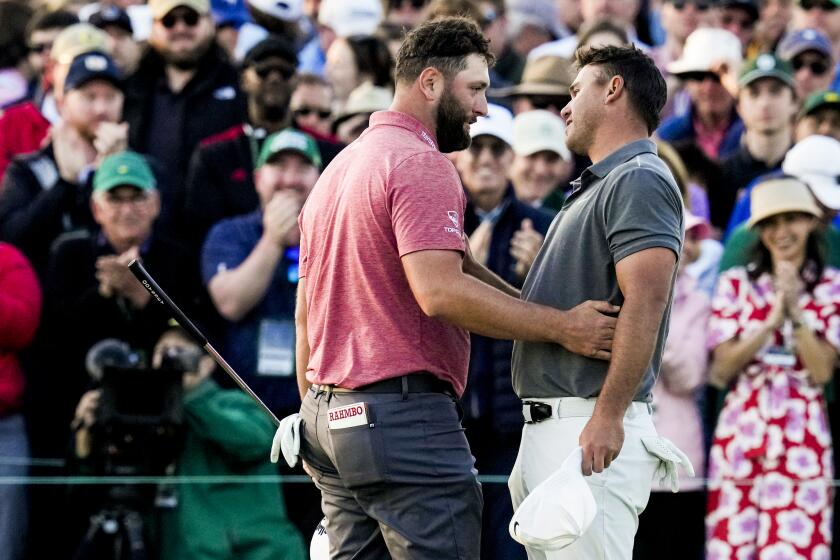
(645, 280)
(301, 339)
(237, 291)
(484, 274)
(444, 291)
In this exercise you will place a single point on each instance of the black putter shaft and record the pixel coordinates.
(160, 296)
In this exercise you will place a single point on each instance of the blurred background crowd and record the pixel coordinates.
(188, 133)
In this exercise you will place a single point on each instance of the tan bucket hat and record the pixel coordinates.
(546, 75)
(778, 196)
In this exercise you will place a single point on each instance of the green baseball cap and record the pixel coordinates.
(290, 140)
(766, 66)
(124, 168)
(820, 99)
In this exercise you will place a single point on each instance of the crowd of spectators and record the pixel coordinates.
(188, 133)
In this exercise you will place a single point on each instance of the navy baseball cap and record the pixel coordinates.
(801, 40)
(112, 15)
(92, 66)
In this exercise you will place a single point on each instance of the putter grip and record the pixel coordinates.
(157, 293)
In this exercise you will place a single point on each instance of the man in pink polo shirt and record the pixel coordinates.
(387, 295)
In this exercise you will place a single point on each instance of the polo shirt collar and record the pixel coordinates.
(621, 155)
(403, 120)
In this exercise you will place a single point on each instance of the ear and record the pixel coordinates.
(95, 210)
(615, 89)
(430, 83)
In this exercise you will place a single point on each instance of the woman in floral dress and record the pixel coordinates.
(775, 334)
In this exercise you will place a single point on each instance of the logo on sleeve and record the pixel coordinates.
(453, 217)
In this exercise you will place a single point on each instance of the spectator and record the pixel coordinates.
(545, 85)
(20, 309)
(181, 79)
(24, 126)
(41, 31)
(226, 434)
(504, 235)
(767, 104)
(711, 120)
(494, 24)
(353, 61)
(249, 265)
(739, 17)
(821, 15)
(229, 16)
(814, 160)
(820, 114)
(810, 54)
(406, 13)
(542, 165)
(121, 44)
(46, 193)
(679, 19)
(601, 33)
(339, 18)
(311, 105)
(531, 24)
(773, 20)
(220, 182)
(672, 524)
(362, 103)
(13, 51)
(774, 338)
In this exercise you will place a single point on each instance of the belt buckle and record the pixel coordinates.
(535, 412)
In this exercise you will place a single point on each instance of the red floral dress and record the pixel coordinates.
(770, 465)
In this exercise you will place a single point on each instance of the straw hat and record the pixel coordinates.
(779, 196)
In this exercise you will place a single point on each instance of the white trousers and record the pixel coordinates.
(621, 491)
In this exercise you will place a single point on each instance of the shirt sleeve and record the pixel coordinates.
(727, 307)
(641, 211)
(426, 204)
(224, 249)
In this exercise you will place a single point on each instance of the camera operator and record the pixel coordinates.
(226, 434)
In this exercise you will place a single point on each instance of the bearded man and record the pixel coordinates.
(183, 91)
(387, 293)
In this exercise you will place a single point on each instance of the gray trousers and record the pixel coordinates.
(403, 486)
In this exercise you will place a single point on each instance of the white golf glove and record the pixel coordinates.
(670, 457)
(287, 440)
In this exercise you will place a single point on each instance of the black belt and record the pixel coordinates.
(421, 382)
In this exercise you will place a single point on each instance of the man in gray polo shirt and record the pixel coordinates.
(617, 238)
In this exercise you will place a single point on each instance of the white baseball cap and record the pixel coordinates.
(706, 47)
(538, 131)
(351, 17)
(815, 160)
(286, 10)
(319, 546)
(498, 122)
(558, 511)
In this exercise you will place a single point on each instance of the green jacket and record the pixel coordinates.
(227, 434)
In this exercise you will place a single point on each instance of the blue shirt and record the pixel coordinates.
(227, 246)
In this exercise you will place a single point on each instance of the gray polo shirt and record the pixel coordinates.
(625, 203)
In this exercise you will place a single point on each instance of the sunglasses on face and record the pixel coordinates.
(728, 20)
(818, 4)
(816, 67)
(699, 6)
(497, 147)
(548, 102)
(265, 70)
(306, 111)
(397, 4)
(41, 48)
(189, 17)
(700, 77)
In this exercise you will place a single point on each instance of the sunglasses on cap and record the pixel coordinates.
(825, 5)
(306, 111)
(265, 70)
(496, 146)
(189, 17)
(681, 4)
(816, 67)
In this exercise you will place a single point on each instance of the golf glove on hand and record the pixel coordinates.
(287, 440)
(670, 458)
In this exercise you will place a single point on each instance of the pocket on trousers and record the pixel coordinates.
(357, 455)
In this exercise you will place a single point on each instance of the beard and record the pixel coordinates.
(186, 60)
(451, 118)
(273, 100)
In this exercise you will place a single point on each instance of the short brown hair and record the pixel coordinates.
(443, 44)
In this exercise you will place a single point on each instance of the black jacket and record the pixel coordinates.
(37, 205)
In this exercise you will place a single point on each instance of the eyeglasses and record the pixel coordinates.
(265, 70)
(699, 6)
(306, 111)
(41, 48)
(826, 6)
(496, 146)
(700, 77)
(189, 17)
(816, 67)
